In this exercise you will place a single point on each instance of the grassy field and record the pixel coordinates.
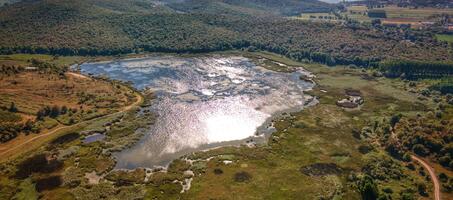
(404, 15)
(445, 38)
(419, 13)
(24, 59)
(31, 91)
(394, 14)
(312, 155)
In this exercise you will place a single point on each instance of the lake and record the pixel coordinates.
(203, 102)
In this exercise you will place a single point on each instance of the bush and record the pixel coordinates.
(407, 157)
(395, 119)
(444, 87)
(407, 196)
(368, 188)
(411, 166)
(242, 176)
(445, 160)
(218, 171)
(13, 108)
(439, 114)
(420, 150)
(388, 190)
(421, 187)
(356, 133)
(443, 177)
(364, 149)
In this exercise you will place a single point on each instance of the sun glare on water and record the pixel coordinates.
(202, 102)
(221, 127)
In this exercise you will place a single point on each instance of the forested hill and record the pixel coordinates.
(106, 27)
(6, 2)
(281, 7)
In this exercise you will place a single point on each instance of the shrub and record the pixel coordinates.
(443, 177)
(411, 166)
(368, 188)
(420, 150)
(388, 190)
(445, 160)
(218, 171)
(242, 176)
(407, 157)
(439, 114)
(364, 149)
(395, 119)
(12, 107)
(421, 187)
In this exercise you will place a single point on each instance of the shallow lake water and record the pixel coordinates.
(202, 102)
(93, 138)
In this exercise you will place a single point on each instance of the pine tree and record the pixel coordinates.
(55, 111)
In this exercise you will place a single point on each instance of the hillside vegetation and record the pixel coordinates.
(38, 95)
(110, 27)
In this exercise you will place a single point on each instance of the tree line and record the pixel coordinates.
(416, 69)
(199, 31)
(52, 112)
(445, 86)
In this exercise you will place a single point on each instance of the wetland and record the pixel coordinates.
(203, 102)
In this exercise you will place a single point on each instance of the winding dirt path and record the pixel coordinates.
(78, 75)
(432, 174)
(4, 154)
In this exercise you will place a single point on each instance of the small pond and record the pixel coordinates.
(93, 138)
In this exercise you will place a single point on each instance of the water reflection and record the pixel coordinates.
(202, 102)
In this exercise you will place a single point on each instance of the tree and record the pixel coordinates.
(421, 187)
(376, 22)
(40, 115)
(394, 120)
(55, 111)
(12, 107)
(443, 177)
(64, 110)
(420, 150)
(28, 126)
(407, 157)
(368, 188)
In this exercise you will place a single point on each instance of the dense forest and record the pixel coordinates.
(109, 27)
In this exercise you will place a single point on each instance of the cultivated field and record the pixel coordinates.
(418, 13)
(445, 38)
(398, 15)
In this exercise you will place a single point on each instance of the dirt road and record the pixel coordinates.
(434, 178)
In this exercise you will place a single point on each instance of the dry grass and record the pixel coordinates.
(31, 91)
